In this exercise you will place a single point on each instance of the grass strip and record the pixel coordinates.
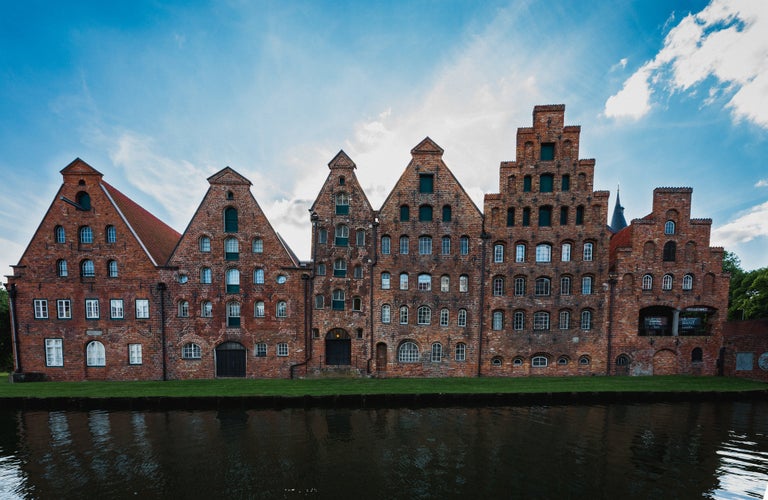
(357, 386)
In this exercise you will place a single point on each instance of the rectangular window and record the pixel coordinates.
(257, 246)
(565, 285)
(565, 252)
(64, 309)
(319, 301)
(566, 182)
(498, 253)
(510, 217)
(546, 183)
(563, 216)
(54, 352)
(425, 245)
(142, 308)
(520, 253)
(526, 217)
(92, 308)
(444, 317)
(282, 349)
(519, 286)
(404, 245)
(385, 245)
(463, 283)
(41, 309)
(360, 238)
(547, 151)
(744, 361)
(425, 213)
(586, 285)
(464, 244)
(261, 350)
(134, 354)
(445, 283)
(322, 236)
(565, 320)
(404, 281)
(405, 213)
(588, 251)
(116, 309)
(446, 245)
(426, 183)
(461, 352)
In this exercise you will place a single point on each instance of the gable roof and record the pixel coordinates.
(228, 175)
(341, 162)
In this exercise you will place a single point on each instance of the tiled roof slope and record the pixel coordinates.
(158, 238)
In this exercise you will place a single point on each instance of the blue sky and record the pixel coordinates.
(160, 95)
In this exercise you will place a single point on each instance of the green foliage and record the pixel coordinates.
(748, 295)
(6, 361)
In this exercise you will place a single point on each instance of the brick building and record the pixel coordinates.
(427, 286)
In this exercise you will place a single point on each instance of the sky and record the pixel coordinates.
(160, 95)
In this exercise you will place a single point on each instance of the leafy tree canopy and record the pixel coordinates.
(748, 295)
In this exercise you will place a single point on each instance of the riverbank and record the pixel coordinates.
(361, 393)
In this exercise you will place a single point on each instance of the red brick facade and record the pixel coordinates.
(745, 349)
(428, 286)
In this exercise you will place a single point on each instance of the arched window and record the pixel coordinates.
(498, 286)
(233, 314)
(670, 248)
(342, 236)
(408, 352)
(445, 317)
(386, 245)
(404, 243)
(61, 268)
(233, 281)
(497, 322)
(464, 245)
(541, 320)
(360, 237)
(586, 319)
(84, 200)
(461, 352)
(231, 249)
(543, 286)
(498, 252)
(357, 303)
(688, 282)
(446, 245)
(112, 269)
(258, 276)
(385, 281)
(424, 282)
(622, 360)
(425, 213)
(519, 286)
(437, 352)
(340, 268)
(496, 361)
(230, 220)
(446, 213)
(257, 245)
(86, 235)
(425, 245)
(539, 362)
(204, 244)
(584, 360)
(319, 301)
(338, 299)
(205, 275)
(110, 235)
(697, 355)
(518, 320)
(588, 248)
(669, 227)
(206, 309)
(403, 281)
(281, 311)
(386, 313)
(87, 269)
(445, 283)
(183, 309)
(666, 282)
(190, 351)
(424, 315)
(565, 285)
(586, 285)
(565, 320)
(60, 235)
(565, 252)
(520, 252)
(403, 315)
(562, 360)
(543, 252)
(647, 282)
(405, 213)
(463, 283)
(461, 319)
(342, 203)
(94, 354)
(258, 309)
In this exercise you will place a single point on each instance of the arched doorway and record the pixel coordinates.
(665, 363)
(381, 357)
(338, 347)
(230, 360)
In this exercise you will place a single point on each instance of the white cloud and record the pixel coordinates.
(727, 40)
(761, 183)
(749, 225)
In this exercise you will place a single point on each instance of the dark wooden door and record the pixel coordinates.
(230, 360)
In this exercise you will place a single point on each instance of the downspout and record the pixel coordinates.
(15, 329)
(161, 287)
(611, 288)
(483, 239)
(308, 305)
(374, 261)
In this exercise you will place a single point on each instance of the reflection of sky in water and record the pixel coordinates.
(743, 470)
(11, 477)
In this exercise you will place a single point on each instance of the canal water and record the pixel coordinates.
(655, 451)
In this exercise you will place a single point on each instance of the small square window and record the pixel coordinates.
(547, 151)
(426, 183)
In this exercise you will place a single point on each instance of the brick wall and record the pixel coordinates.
(747, 341)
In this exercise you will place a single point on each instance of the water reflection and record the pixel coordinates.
(681, 450)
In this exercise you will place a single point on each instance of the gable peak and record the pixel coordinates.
(341, 160)
(228, 175)
(427, 147)
(78, 168)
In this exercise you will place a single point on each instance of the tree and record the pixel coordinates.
(6, 361)
(748, 295)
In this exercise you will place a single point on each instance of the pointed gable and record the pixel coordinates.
(228, 176)
(79, 168)
(427, 147)
(342, 161)
(342, 176)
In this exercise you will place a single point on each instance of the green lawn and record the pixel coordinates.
(330, 387)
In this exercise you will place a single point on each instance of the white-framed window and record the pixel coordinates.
(338, 300)
(112, 269)
(92, 308)
(403, 315)
(41, 308)
(541, 320)
(461, 352)
(116, 309)
(542, 286)
(257, 245)
(134, 354)
(87, 269)
(586, 319)
(258, 309)
(64, 309)
(565, 285)
(498, 320)
(666, 282)
(586, 285)
(386, 313)
(688, 282)
(462, 318)
(424, 282)
(94, 354)
(60, 234)
(190, 351)
(518, 320)
(61, 268)
(543, 252)
(498, 252)
(669, 227)
(340, 268)
(519, 286)
(386, 245)
(539, 362)
(424, 315)
(647, 282)
(463, 283)
(404, 243)
(403, 281)
(204, 244)
(437, 352)
(205, 275)
(54, 352)
(519, 253)
(231, 249)
(464, 245)
(322, 236)
(183, 309)
(445, 316)
(425, 245)
(233, 314)
(232, 280)
(565, 252)
(320, 269)
(498, 286)
(408, 352)
(86, 235)
(565, 320)
(445, 247)
(342, 236)
(282, 309)
(385, 281)
(282, 349)
(342, 203)
(588, 251)
(258, 276)
(260, 350)
(445, 283)
(142, 308)
(206, 309)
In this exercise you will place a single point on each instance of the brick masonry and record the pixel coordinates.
(536, 284)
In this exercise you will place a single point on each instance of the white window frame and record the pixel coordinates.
(191, 350)
(403, 315)
(260, 350)
(519, 253)
(445, 317)
(259, 310)
(116, 309)
(282, 349)
(463, 283)
(445, 245)
(424, 315)
(436, 353)
(54, 352)
(134, 354)
(666, 282)
(257, 245)
(204, 244)
(586, 285)
(565, 285)
(647, 283)
(460, 352)
(408, 352)
(282, 309)
(687, 282)
(518, 320)
(64, 309)
(588, 253)
(41, 308)
(565, 252)
(464, 245)
(461, 319)
(497, 322)
(92, 309)
(386, 245)
(405, 242)
(142, 308)
(543, 252)
(586, 319)
(565, 320)
(425, 245)
(386, 280)
(541, 320)
(498, 253)
(424, 282)
(403, 281)
(95, 354)
(445, 283)
(386, 314)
